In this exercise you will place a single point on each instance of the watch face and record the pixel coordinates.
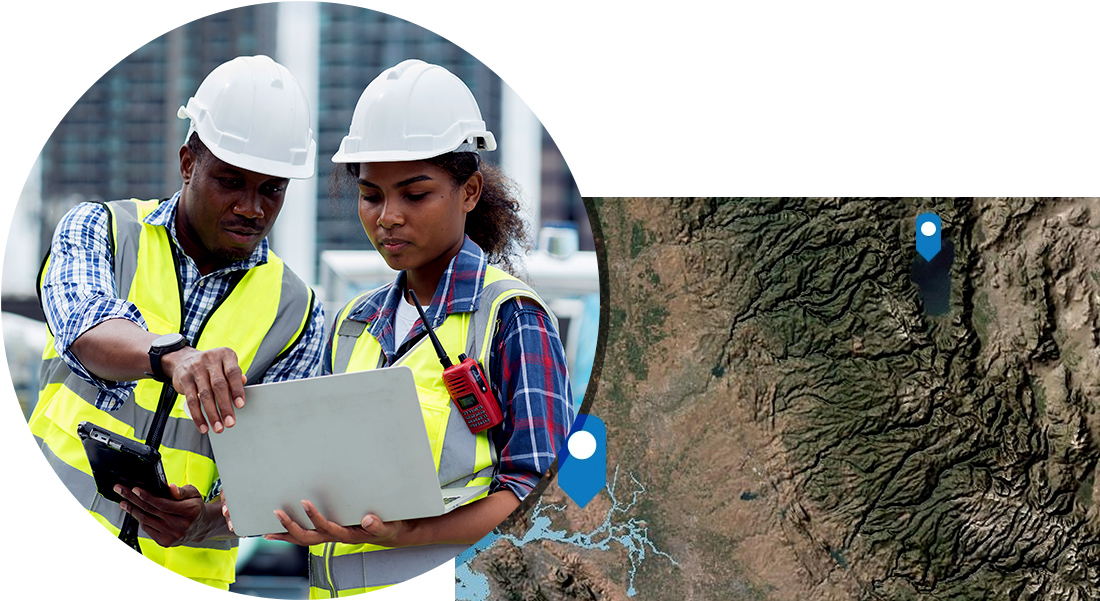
(169, 340)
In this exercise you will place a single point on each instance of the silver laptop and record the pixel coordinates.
(352, 444)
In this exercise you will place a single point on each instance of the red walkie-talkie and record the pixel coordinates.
(465, 383)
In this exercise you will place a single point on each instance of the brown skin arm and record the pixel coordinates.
(211, 381)
(463, 526)
(116, 350)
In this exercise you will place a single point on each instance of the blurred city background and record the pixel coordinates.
(121, 140)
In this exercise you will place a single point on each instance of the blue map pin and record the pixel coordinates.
(582, 464)
(928, 235)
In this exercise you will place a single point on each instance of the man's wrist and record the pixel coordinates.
(161, 347)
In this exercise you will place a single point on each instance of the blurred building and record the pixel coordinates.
(122, 138)
(355, 46)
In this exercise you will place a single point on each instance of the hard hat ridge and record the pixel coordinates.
(252, 113)
(413, 111)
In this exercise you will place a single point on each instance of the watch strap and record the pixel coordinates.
(159, 349)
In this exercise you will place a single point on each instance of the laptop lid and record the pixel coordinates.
(352, 443)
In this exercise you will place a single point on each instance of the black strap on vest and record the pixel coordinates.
(128, 533)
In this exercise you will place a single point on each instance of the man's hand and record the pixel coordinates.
(212, 383)
(169, 522)
(118, 350)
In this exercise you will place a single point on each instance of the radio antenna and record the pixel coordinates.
(443, 358)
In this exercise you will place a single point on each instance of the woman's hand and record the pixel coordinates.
(225, 511)
(463, 526)
(370, 530)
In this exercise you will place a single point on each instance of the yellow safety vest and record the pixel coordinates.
(260, 318)
(461, 458)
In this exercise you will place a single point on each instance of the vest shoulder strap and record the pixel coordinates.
(499, 287)
(126, 221)
(348, 331)
(129, 211)
(349, 328)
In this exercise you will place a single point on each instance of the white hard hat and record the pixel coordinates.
(414, 111)
(251, 113)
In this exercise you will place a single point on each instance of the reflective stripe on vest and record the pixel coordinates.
(461, 457)
(392, 567)
(256, 322)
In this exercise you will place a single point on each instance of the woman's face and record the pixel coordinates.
(414, 214)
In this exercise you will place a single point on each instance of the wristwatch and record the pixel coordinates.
(168, 343)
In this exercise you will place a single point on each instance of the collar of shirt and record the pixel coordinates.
(165, 216)
(457, 292)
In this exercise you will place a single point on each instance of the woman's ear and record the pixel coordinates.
(472, 191)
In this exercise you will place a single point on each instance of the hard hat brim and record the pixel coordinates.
(272, 168)
(485, 141)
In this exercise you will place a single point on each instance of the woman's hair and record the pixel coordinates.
(494, 224)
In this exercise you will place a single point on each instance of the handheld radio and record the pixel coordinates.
(465, 384)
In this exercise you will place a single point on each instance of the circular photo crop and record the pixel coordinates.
(300, 300)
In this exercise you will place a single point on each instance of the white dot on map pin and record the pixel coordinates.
(582, 465)
(582, 445)
(928, 228)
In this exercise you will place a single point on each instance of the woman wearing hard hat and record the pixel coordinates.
(440, 216)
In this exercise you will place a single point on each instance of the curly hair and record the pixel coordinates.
(495, 224)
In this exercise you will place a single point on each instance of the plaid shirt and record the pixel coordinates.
(78, 293)
(527, 367)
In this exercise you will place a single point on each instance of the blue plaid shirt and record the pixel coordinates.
(78, 293)
(527, 366)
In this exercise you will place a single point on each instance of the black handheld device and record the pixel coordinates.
(466, 384)
(116, 459)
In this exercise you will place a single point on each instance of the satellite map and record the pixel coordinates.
(801, 406)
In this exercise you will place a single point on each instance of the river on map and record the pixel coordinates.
(617, 530)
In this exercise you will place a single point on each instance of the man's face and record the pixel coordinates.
(225, 211)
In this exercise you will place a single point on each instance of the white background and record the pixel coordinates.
(688, 99)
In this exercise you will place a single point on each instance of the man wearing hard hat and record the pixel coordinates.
(184, 292)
